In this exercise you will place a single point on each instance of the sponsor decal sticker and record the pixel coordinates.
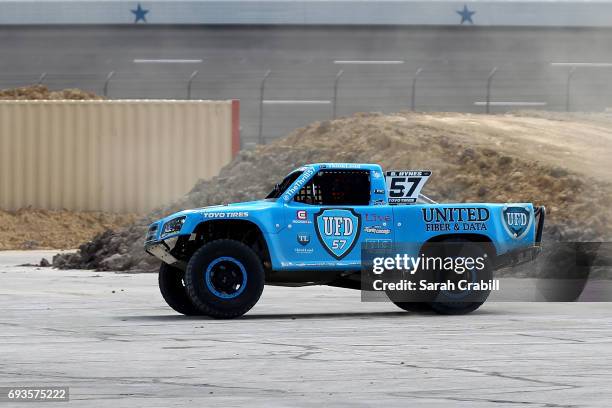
(301, 217)
(455, 218)
(405, 186)
(373, 217)
(516, 220)
(342, 166)
(238, 214)
(298, 184)
(377, 229)
(338, 230)
(377, 243)
(303, 239)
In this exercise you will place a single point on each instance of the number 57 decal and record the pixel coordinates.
(405, 186)
(338, 243)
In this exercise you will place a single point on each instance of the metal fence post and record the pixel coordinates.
(413, 96)
(567, 88)
(260, 138)
(489, 80)
(191, 78)
(336, 80)
(41, 78)
(108, 78)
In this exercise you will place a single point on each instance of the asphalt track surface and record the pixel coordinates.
(455, 64)
(111, 339)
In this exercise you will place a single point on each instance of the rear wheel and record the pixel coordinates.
(458, 301)
(172, 288)
(224, 279)
(414, 307)
(405, 300)
(455, 301)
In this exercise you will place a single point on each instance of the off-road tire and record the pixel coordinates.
(399, 300)
(172, 288)
(413, 307)
(202, 292)
(437, 301)
(440, 306)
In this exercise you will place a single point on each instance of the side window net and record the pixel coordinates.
(336, 187)
(309, 194)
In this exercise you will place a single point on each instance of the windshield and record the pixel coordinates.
(279, 189)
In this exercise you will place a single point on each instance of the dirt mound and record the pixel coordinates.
(41, 229)
(462, 171)
(43, 92)
(577, 142)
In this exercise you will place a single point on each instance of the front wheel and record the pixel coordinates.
(224, 279)
(172, 288)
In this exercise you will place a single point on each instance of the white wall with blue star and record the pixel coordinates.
(573, 13)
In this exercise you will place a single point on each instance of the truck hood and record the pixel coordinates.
(228, 211)
(246, 206)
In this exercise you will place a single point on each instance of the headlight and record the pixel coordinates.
(151, 232)
(173, 226)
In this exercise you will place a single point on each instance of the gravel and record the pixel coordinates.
(40, 92)
(30, 228)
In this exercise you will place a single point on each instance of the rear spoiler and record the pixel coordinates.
(540, 214)
(524, 254)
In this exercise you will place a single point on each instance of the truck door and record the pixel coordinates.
(333, 214)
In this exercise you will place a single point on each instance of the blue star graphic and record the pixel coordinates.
(140, 14)
(466, 15)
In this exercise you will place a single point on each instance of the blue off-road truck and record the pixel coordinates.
(310, 230)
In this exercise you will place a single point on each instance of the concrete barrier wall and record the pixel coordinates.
(117, 156)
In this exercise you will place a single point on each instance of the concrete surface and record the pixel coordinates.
(113, 341)
(455, 60)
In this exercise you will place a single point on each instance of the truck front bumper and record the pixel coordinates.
(162, 250)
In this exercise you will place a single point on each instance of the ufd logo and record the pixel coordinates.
(338, 230)
(516, 220)
(338, 226)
